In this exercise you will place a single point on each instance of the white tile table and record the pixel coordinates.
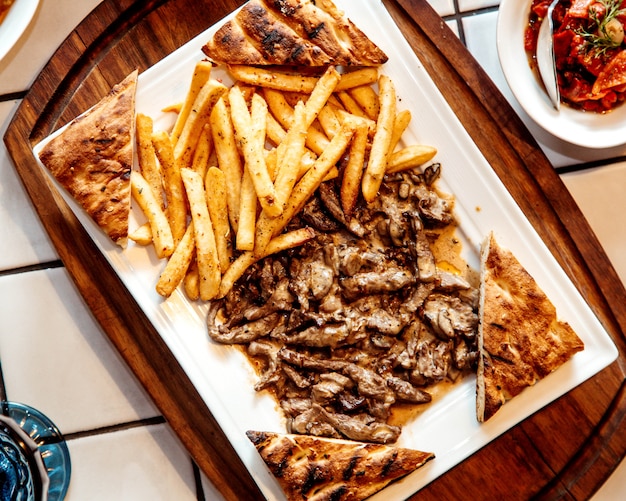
(120, 447)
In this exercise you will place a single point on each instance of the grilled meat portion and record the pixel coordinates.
(360, 317)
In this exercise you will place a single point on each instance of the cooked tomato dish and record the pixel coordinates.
(4, 8)
(589, 49)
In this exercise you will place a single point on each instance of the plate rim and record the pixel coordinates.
(15, 24)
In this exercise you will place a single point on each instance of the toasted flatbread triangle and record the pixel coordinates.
(520, 339)
(318, 469)
(292, 32)
(93, 156)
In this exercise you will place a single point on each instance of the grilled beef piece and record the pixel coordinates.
(360, 317)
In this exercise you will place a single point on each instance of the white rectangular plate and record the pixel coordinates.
(223, 376)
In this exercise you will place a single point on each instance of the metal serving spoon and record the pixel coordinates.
(546, 62)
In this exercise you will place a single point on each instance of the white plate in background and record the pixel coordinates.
(587, 129)
(225, 379)
(15, 23)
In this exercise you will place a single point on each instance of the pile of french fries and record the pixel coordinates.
(219, 189)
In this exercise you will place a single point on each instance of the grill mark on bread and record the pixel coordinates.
(92, 158)
(287, 32)
(275, 39)
(520, 338)
(310, 467)
(349, 470)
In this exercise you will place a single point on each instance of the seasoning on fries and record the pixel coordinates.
(242, 161)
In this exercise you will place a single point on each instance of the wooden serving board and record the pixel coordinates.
(567, 450)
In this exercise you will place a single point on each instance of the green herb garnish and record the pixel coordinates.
(605, 33)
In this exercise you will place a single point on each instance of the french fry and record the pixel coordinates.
(289, 240)
(276, 135)
(362, 76)
(174, 192)
(328, 120)
(307, 161)
(272, 79)
(283, 112)
(159, 225)
(305, 188)
(177, 265)
(410, 157)
(344, 115)
(239, 194)
(146, 157)
(228, 159)
(351, 181)
(263, 233)
(295, 162)
(235, 271)
(265, 224)
(322, 166)
(292, 149)
(203, 150)
(367, 99)
(316, 140)
(206, 250)
(377, 163)
(191, 282)
(333, 173)
(293, 97)
(271, 162)
(280, 243)
(247, 215)
(247, 91)
(198, 116)
(172, 108)
(201, 74)
(323, 90)
(259, 171)
(290, 153)
(403, 118)
(335, 102)
(350, 104)
(279, 107)
(250, 129)
(321, 93)
(215, 187)
(142, 235)
(275, 132)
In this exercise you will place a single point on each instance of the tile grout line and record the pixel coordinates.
(589, 165)
(13, 96)
(114, 428)
(32, 267)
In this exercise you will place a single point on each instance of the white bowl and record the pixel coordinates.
(15, 23)
(588, 129)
